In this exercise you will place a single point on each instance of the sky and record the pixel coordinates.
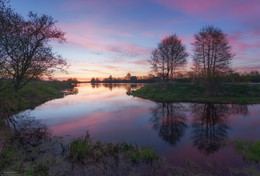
(114, 37)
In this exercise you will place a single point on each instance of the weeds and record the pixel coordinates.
(86, 150)
(39, 170)
(249, 150)
(7, 156)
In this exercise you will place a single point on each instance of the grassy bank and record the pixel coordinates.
(186, 92)
(87, 151)
(32, 95)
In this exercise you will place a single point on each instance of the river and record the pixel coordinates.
(181, 132)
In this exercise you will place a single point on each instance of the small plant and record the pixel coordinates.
(7, 156)
(39, 170)
(80, 148)
(144, 154)
(249, 150)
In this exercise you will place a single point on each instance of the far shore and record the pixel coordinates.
(238, 93)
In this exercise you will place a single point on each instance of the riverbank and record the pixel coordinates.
(188, 92)
(32, 95)
(45, 155)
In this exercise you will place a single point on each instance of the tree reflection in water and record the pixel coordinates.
(29, 131)
(169, 120)
(209, 125)
(24, 129)
(128, 86)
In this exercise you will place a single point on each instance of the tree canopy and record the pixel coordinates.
(211, 55)
(25, 47)
(169, 55)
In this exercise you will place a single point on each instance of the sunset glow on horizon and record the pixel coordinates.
(116, 37)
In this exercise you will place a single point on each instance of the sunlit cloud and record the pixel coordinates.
(122, 34)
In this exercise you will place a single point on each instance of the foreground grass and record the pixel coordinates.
(32, 95)
(187, 92)
(86, 150)
(83, 156)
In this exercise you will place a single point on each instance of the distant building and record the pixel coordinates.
(133, 78)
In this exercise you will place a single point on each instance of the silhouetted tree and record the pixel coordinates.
(254, 76)
(25, 47)
(110, 78)
(150, 76)
(97, 80)
(128, 76)
(212, 55)
(72, 81)
(93, 80)
(169, 55)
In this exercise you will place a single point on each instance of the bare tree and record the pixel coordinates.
(212, 55)
(169, 55)
(24, 46)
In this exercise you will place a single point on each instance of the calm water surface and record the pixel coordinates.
(178, 131)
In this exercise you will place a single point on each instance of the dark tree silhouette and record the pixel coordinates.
(169, 55)
(210, 127)
(93, 80)
(212, 55)
(25, 47)
(110, 79)
(128, 76)
(169, 120)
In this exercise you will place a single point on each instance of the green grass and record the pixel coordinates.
(143, 154)
(249, 149)
(39, 170)
(187, 92)
(32, 95)
(7, 155)
(86, 150)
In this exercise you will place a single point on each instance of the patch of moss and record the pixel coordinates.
(32, 95)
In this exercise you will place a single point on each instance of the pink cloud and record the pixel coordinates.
(148, 35)
(229, 9)
(140, 62)
(98, 45)
(190, 7)
(90, 36)
(247, 68)
(243, 41)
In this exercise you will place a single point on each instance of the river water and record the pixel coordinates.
(181, 132)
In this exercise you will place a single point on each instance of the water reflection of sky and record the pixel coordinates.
(178, 131)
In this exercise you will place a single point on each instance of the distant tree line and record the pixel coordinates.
(127, 79)
(190, 76)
